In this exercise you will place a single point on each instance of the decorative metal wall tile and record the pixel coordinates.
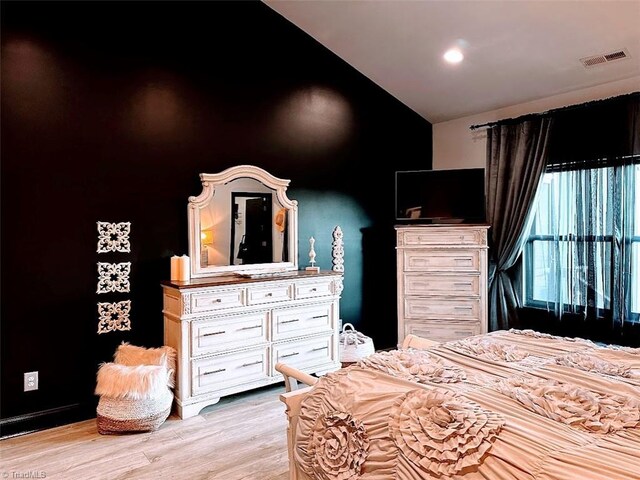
(114, 237)
(114, 277)
(114, 316)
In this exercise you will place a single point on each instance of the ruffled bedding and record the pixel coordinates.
(506, 405)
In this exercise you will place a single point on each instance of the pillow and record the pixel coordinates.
(127, 354)
(141, 382)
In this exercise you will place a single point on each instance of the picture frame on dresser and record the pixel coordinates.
(231, 324)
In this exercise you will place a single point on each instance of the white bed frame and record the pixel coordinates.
(294, 395)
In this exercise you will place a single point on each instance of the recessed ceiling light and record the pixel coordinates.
(453, 55)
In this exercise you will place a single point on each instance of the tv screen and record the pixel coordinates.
(454, 196)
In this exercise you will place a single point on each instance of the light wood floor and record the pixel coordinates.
(243, 437)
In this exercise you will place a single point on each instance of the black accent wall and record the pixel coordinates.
(109, 113)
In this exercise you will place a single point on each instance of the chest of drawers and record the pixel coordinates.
(229, 332)
(442, 281)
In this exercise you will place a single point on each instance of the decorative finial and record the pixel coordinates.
(312, 252)
(312, 256)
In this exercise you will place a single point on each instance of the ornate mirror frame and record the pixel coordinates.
(209, 183)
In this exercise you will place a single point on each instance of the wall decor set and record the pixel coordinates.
(114, 277)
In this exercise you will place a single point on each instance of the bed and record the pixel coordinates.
(512, 404)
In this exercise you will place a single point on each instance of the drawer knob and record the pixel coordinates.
(319, 316)
(214, 333)
(314, 289)
(268, 294)
(289, 355)
(217, 300)
(463, 308)
(214, 371)
(250, 328)
(461, 284)
(319, 348)
(250, 364)
(291, 321)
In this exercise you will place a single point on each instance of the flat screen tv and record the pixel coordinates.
(440, 196)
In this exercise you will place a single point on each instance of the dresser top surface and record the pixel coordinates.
(237, 279)
(443, 225)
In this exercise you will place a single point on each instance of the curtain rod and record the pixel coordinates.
(550, 112)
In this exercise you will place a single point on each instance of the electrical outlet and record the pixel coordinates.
(30, 381)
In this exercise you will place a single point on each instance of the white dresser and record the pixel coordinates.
(229, 332)
(442, 281)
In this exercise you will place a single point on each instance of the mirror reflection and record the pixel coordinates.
(242, 223)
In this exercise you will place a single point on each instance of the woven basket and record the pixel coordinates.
(119, 415)
(353, 345)
(135, 391)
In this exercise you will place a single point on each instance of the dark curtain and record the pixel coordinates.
(516, 158)
(603, 132)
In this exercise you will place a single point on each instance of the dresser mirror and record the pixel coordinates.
(242, 223)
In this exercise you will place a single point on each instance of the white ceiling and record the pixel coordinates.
(515, 51)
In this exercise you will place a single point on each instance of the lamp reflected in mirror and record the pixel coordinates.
(206, 242)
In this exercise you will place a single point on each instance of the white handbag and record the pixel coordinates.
(353, 345)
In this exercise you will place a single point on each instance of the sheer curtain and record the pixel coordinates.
(584, 250)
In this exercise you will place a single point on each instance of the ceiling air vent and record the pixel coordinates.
(615, 55)
(589, 62)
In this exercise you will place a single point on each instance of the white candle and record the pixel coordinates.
(185, 268)
(175, 267)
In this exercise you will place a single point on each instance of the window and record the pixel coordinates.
(583, 253)
(635, 242)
